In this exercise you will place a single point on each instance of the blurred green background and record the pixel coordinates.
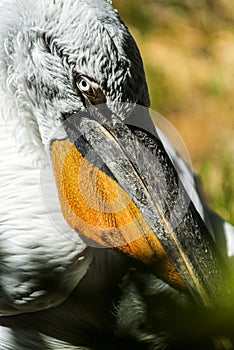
(188, 52)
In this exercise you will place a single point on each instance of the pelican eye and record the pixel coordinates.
(90, 89)
(85, 86)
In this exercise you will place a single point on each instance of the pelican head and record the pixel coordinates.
(59, 56)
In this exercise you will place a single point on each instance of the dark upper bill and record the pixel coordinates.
(119, 188)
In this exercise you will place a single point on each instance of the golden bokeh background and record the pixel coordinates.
(188, 51)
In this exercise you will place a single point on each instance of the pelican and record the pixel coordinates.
(58, 288)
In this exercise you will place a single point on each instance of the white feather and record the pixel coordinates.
(29, 238)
